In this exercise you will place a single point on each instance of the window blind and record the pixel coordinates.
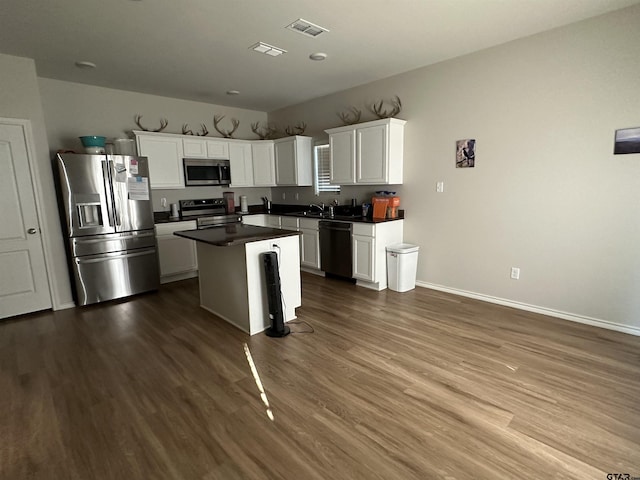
(323, 170)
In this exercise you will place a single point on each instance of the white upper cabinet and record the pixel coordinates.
(218, 149)
(264, 167)
(199, 147)
(240, 159)
(342, 152)
(165, 155)
(293, 161)
(368, 153)
(194, 147)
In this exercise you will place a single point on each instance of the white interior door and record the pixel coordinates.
(24, 286)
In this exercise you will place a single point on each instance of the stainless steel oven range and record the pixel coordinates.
(208, 212)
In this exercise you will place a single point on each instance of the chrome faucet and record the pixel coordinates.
(321, 206)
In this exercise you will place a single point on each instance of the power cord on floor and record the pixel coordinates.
(301, 322)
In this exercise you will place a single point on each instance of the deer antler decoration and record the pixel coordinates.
(163, 124)
(204, 131)
(348, 119)
(376, 108)
(225, 133)
(265, 133)
(297, 129)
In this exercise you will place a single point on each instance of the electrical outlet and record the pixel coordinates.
(515, 273)
(163, 202)
(284, 196)
(440, 187)
(297, 196)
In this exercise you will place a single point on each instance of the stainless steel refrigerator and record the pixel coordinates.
(106, 203)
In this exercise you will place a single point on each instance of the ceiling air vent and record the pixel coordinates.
(267, 49)
(306, 28)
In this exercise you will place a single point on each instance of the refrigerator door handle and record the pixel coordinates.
(106, 170)
(114, 256)
(124, 237)
(116, 205)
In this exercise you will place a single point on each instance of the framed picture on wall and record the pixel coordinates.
(465, 153)
(627, 141)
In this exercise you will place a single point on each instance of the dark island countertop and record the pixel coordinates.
(235, 234)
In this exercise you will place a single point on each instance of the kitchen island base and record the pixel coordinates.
(233, 282)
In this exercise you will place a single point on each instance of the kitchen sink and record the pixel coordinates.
(317, 214)
(314, 214)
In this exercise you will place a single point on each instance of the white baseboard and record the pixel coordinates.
(178, 276)
(63, 306)
(596, 322)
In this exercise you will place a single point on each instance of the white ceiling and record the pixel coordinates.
(199, 49)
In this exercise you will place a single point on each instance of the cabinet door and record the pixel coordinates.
(363, 257)
(273, 221)
(256, 220)
(177, 255)
(342, 152)
(290, 223)
(310, 248)
(372, 150)
(194, 147)
(285, 163)
(165, 160)
(241, 165)
(218, 149)
(264, 169)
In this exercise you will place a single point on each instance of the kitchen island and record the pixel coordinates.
(232, 278)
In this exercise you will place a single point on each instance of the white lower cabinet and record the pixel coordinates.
(273, 221)
(363, 257)
(369, 244)
(177, 255)
(290, 223)
(257, 220)
(309, 244)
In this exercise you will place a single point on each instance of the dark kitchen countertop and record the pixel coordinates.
(288, 211)
(341, 218)
(235, 234)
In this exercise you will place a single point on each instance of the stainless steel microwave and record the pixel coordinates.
(204, 171)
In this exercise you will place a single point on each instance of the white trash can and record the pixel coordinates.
(402, 263)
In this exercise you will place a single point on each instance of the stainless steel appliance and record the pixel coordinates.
(203, 171)
(105, 202)
(208, 212)
(335, 248)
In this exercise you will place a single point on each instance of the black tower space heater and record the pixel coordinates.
(272, 277)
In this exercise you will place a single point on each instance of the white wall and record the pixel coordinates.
(20, 98)
(547, 194)
(72, 110)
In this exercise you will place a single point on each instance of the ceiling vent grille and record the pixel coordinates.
(267, 49)
(306, 28)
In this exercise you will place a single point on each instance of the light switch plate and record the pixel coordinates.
(440, 187)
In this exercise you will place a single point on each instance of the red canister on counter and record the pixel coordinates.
(229, 203)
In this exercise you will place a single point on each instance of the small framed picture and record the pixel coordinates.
(627, 141)
(465, 153)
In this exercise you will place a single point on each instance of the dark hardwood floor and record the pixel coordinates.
(414, 385)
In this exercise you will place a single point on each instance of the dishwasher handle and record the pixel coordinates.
(328, 225)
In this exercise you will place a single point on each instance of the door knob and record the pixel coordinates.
(32, 231)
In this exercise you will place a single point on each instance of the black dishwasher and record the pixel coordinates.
(335, 248)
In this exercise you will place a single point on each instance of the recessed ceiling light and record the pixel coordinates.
(85, 65)
(318, 57)
(267, 49)
(233, 92)
(306, 28)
